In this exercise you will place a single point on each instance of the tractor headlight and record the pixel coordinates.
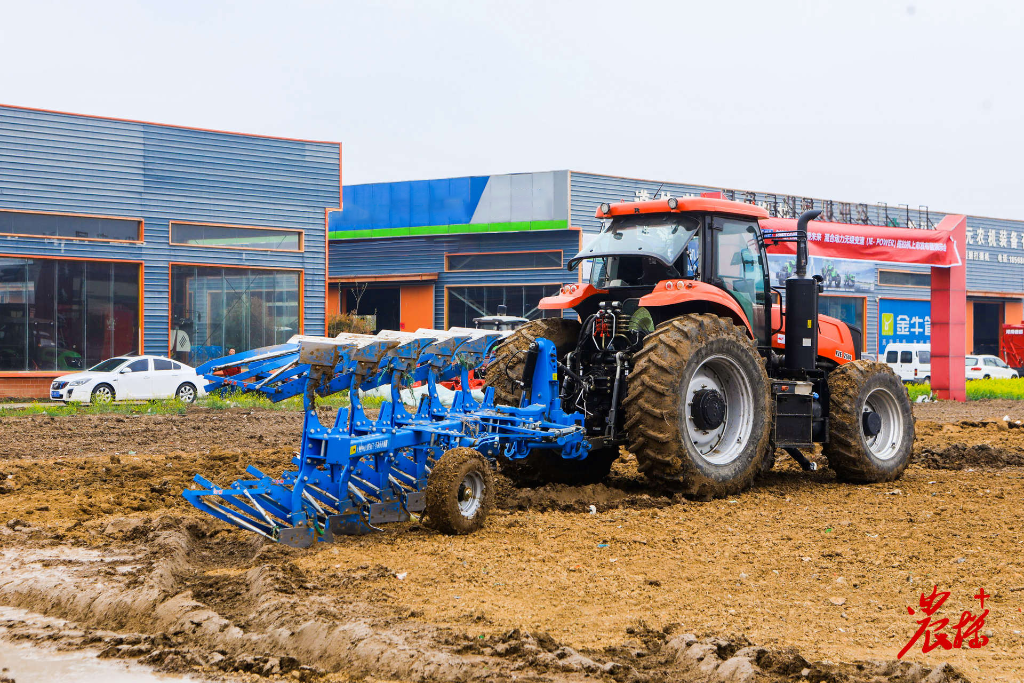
(673, 203)
(606, 209)
(78, 382)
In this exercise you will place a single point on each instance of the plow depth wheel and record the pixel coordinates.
(698, 411)
(460, 491)
(871, 423)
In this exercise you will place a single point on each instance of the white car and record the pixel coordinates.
(912, 362)
(983, 367)
(130, 378)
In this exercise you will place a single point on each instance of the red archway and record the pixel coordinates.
(942, 248)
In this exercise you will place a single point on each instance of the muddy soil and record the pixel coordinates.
(798, 579)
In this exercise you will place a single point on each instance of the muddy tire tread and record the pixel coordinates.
(844, 450)
(442, 491)
(652, 405)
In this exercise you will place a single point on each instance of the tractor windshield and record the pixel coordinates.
(659, 235)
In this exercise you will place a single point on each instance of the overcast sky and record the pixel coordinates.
(917, 103)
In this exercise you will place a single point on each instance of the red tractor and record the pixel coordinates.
(683, 354)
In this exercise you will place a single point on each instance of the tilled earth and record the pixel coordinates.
(799, 578)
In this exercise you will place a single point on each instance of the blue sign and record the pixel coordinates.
(903, 320)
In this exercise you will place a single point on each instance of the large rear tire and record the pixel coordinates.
(510, 355)
(698, 411)
(864, 449)
(503, 373)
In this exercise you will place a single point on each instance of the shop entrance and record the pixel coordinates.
(987, 319)
(383, 302)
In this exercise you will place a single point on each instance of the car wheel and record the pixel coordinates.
(186, 393)
(104, 393)
(987, 377)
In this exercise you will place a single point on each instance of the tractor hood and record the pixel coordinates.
(660, 235)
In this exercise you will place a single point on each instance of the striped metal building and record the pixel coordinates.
(438, 252)
(126, 237)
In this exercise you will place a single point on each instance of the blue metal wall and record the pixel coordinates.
(995, 257)
(68, 163)
(409, 255)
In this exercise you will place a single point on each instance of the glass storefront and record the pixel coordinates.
(216, 310)
(66, 315)
(465, 303)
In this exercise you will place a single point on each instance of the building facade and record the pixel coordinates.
(128, 237)
(445, 251)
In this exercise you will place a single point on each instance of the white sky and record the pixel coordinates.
(914, 102)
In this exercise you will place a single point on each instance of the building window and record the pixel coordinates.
(462, 304)
(216, 310)
(509, 260)
(235, 237)
(850, 309)
(65, 315)
(901, 278)
(70, 226)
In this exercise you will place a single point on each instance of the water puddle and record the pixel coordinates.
(27, 663)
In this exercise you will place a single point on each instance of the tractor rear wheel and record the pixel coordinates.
(460, 491)
(503, 373)
(510, 355)
(698, 411)
(871, 423)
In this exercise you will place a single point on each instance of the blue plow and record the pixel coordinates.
(362, 471)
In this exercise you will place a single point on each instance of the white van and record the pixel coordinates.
(912, 362)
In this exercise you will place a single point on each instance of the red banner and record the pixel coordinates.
(871, 242)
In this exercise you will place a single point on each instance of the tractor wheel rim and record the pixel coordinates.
(471, 494)
(725, 443)
(187, 394)
(884, 445)
(103, 395)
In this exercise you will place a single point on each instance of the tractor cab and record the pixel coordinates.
(676, 255)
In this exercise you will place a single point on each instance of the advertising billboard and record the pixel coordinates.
(903, 320)
(838, 275)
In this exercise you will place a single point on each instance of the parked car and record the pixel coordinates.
(912, 362)
(129, 378)
(985, 366)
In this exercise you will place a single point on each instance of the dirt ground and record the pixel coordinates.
(800, 577)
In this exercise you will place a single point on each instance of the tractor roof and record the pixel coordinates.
(701, 204)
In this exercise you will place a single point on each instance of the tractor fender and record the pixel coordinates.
(835, 340)
(569, 296)
(705, 298)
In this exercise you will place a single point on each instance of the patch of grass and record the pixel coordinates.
(977, 389)
(178, 407)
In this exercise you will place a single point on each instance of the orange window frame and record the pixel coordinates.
(492, 284)
(300, 233)
(142, 312)
(140, 221)
(302, 289)
(448, 269)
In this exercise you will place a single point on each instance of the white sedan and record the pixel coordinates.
(983, 367)
(130, 378)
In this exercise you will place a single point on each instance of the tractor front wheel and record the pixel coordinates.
(871, 423)
(698, 412)
(460, 491)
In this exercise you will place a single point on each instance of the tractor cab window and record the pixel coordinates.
(739, 267)
(639, 249)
